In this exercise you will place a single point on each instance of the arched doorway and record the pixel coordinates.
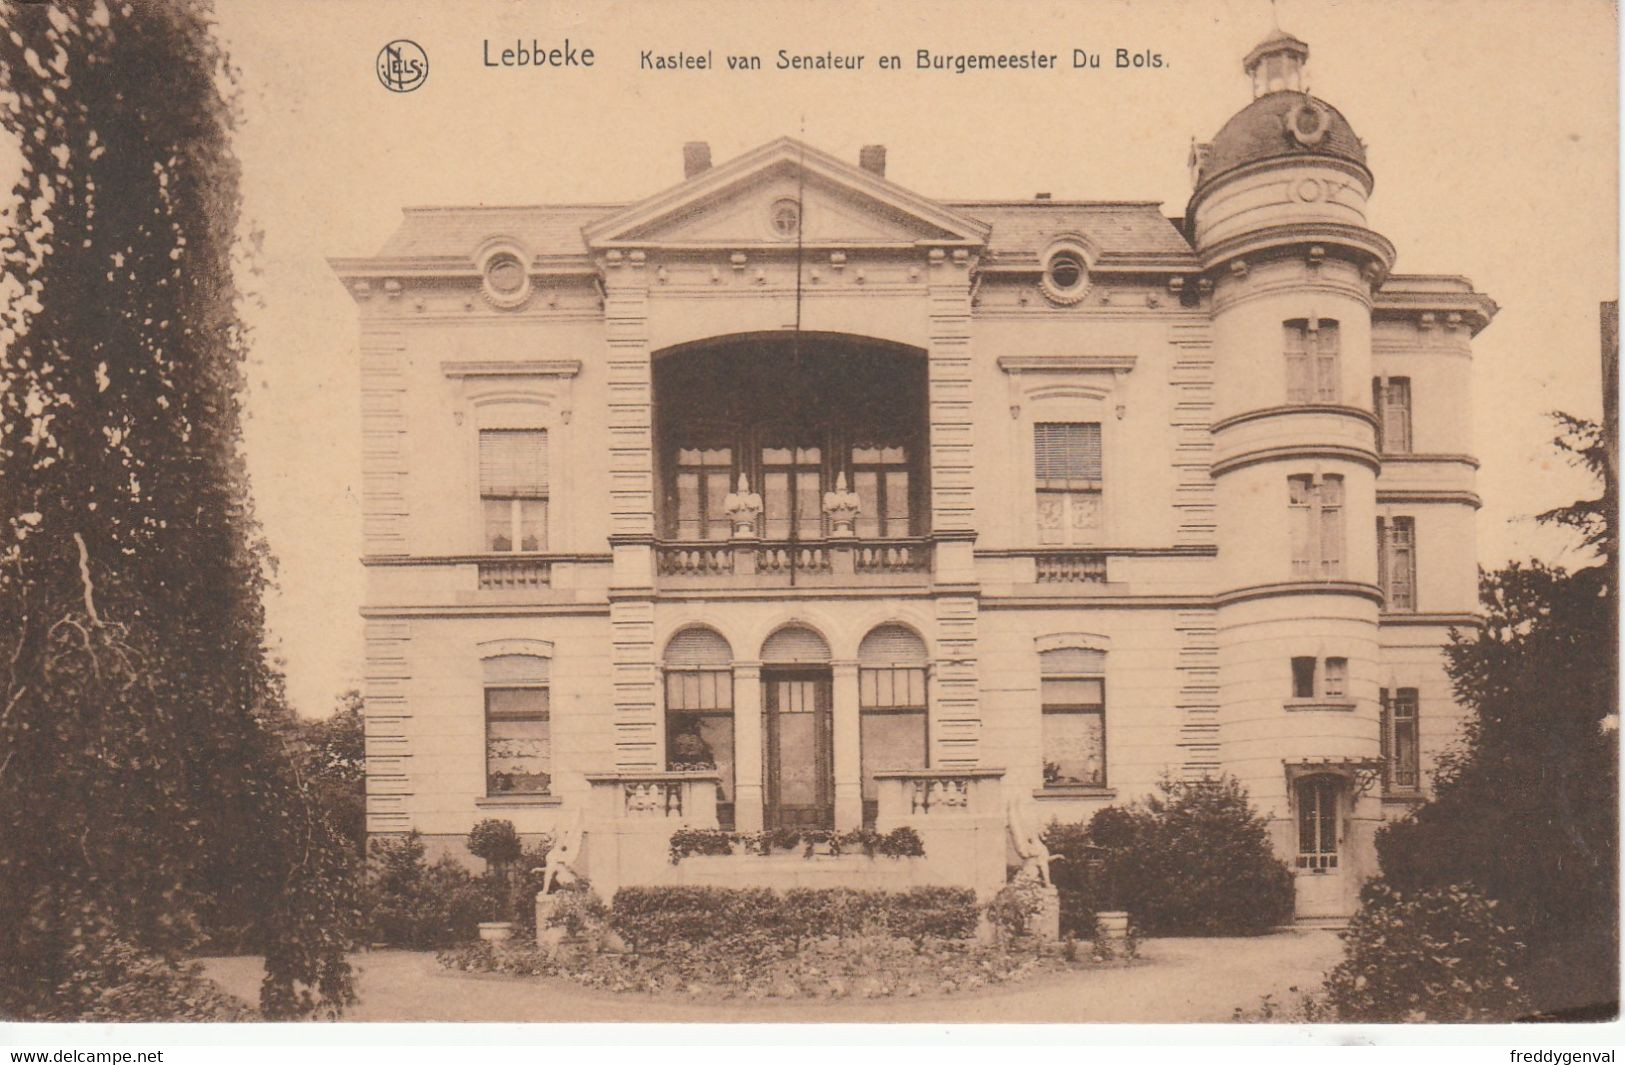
(797, 735)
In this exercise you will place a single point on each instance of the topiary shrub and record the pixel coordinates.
(1442, 954)
(410, 903)
(1194, 860)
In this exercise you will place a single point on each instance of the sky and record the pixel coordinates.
(1492, 129)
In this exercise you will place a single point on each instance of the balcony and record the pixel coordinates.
(833, 562)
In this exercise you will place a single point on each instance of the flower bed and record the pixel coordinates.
(747, 968)
(901, 842)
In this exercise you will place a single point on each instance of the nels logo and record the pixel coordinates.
(402, 66)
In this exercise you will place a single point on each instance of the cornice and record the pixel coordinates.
(1281, 589)
(1430, 495)
(1423, 457)
(510, 368)
(1378, 250)
(1288, 453)
(1020, 364)
(1290, 409)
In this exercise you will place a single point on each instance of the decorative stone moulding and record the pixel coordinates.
(842, 507)
(743, 507)
(1308, 122)
(1065, 280)
(504, 274)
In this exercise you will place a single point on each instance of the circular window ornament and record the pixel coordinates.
(785, 218)
(1308, 123)
(1066, 278)
(507, 282)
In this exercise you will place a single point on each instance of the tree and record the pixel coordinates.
(149, 796)
(336, 768)
(1525, 808)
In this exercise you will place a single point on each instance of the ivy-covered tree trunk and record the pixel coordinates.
(149, 794)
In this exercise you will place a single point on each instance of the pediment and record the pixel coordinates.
(732, 206)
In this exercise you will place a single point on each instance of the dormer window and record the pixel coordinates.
(1066, 278)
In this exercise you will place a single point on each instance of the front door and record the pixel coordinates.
(1322, 879)
(798, 741)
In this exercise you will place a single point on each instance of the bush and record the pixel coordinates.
(409, 903)
(661, 919)
(495, 841)
(1195, 861)
(109, 979)
(528, 884)
(901, 842)
(1015, 905)
(1437, 955)
(1078, 874)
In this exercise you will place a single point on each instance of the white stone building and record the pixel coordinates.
(790, 496)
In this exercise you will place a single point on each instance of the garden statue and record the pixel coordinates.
(1029, 847)
(560, 870)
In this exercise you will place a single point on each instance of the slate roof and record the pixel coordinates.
(1258, 131)
(1021, 229)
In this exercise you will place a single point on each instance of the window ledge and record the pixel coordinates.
(1341, 705)
(1074, 791)
(519, 800)
(1406, 795)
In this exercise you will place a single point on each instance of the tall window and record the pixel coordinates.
(1312, 361)
(1317, 823)
(513, 488)
(880, 478)
(700, 710)
(1391, 402)
(518, 726)
(1396, 562)
(1067, 469)
(1073, 695)
(703, 476)
(792, 492)
(1401, 739)
(892, 711)
(1317, 526)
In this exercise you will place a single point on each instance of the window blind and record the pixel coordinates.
(1067, 451)
(698, 648)
(516, 669)
(891, 645)
(795, 645)
(1071, 661)
(513, 462)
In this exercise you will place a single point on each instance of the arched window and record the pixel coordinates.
(700, 710)
(518, 726)
(795, 644)
(1072, 691)
(893, 716)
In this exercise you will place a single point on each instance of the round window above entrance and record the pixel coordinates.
(1066, 277)
(505, 279)
(785, 218)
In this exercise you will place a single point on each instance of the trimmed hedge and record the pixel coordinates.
(656, 919)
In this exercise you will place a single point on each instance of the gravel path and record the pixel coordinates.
(1177, 980)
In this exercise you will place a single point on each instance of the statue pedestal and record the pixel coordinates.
(1046, 923)
(1113, 925)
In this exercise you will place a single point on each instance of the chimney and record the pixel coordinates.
(1041, 195)
(696, 158)
(872, 157)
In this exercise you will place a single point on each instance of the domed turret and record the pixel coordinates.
(1283, 119)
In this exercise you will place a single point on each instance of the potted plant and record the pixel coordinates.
(500, 846)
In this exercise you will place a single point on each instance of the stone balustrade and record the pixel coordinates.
(670, 800)
(1070, 567)
(516, 574)
(908, 796)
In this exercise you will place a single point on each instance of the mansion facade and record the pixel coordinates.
(790, 497)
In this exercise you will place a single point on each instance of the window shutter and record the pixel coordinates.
(1331, 526)
(1382, 556)
(1067, 453)
(1301, 518)
(1325, 341)
(698, 648)
(1379, 407)
(1385, 741)
(1396, 415)
(513, 463)
(1296, 342)
(1402, 564)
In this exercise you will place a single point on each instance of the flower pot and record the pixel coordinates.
(1113, 923)
(496, 931)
